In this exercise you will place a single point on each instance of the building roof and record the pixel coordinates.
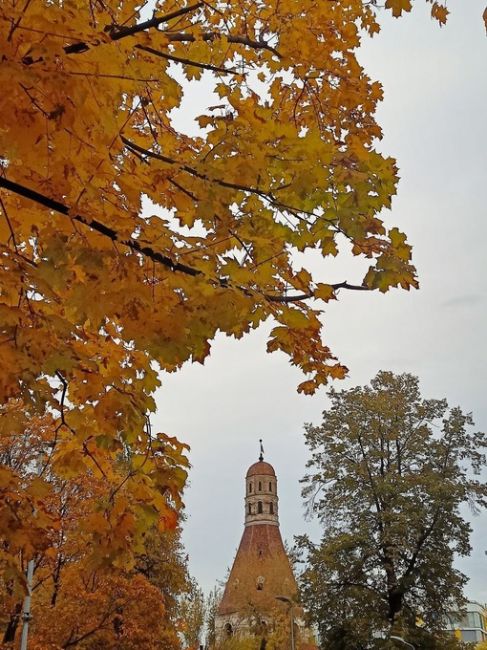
(261, 467)
(261, 561)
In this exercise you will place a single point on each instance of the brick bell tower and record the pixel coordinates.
(261, 584)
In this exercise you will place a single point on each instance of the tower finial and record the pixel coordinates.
(261, 456)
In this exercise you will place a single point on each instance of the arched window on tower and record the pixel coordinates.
(270, 487)
(259, 507)
(260, 486)
(271, 508)
(250, 509)
(250, 487)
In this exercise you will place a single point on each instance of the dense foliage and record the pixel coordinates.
(78, 601)
(388, 476)
(126, 245)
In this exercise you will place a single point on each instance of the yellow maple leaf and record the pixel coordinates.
(324, 292)
(398, 6)
(440, 13)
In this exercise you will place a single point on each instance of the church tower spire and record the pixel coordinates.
(261, 578)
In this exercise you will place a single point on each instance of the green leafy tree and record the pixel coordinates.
(192, 615)
(212, 602)
(164, 564)
(388, 475)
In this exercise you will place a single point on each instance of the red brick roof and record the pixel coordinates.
(261, 555)
(261, 467)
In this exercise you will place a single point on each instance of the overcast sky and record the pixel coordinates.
(434, 120)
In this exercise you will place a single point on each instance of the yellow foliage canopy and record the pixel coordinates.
(94, 291)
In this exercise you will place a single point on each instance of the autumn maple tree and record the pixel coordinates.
(76, 601)
(126, 245)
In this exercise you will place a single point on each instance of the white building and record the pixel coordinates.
(471, 628)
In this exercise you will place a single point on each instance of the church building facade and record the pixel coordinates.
(261, 590)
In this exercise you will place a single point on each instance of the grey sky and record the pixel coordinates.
(434, 120)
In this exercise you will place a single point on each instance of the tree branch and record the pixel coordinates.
(182, 37)
(423, 538)
(9, 224)
(178, 59)
(266, 195)
(72, 640)
(116, 33)
(145, 250)
(307, 296)
(191, 170)
(420, 543)
(99, 227)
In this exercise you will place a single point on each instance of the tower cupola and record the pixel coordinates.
(261, 500)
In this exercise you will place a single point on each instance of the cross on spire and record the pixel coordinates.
(261, 455)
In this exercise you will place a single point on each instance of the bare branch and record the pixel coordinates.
(17, 22)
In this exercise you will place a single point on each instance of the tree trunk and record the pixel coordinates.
(12, 625)
(394, 599)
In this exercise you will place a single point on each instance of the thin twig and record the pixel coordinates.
(17, 23)
(10, 227)
(179, 59)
